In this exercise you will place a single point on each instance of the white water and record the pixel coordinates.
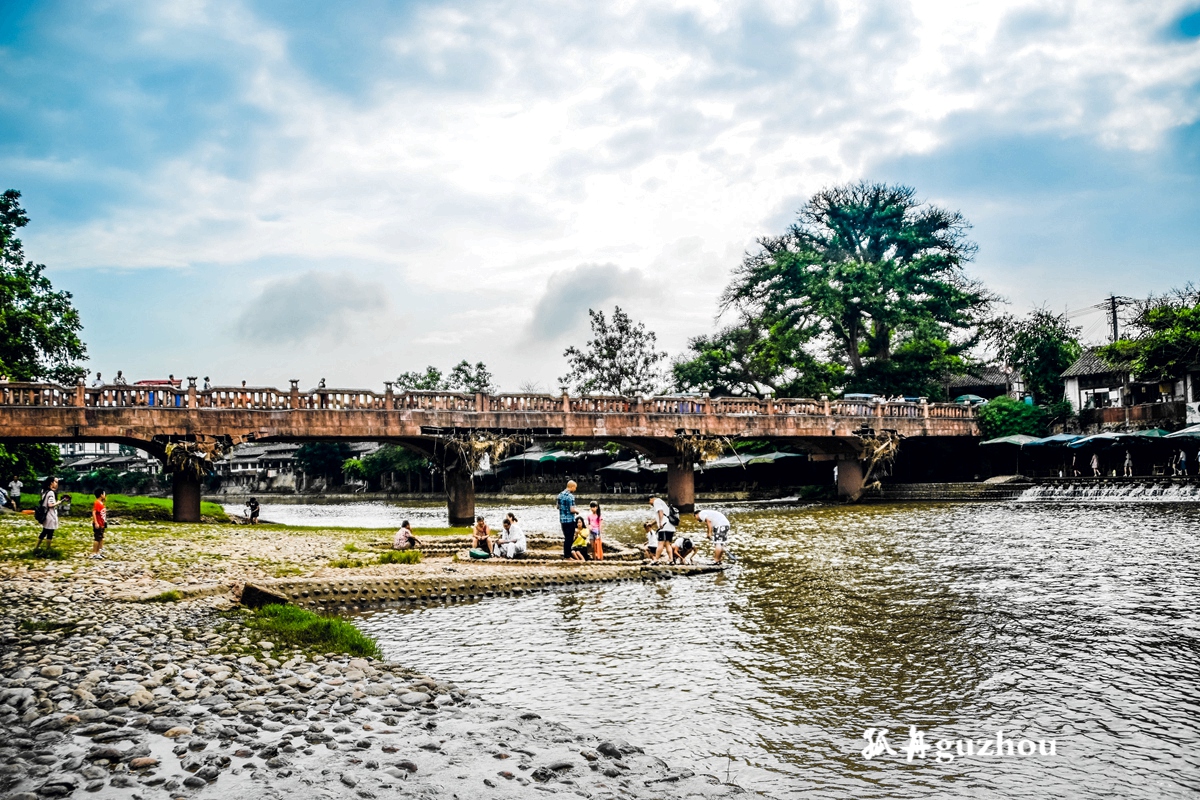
(1088, 491)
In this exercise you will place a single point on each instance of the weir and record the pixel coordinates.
(658, 427)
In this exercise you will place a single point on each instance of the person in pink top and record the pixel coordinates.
(594, 523)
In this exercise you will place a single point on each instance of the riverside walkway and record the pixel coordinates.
(150, 417)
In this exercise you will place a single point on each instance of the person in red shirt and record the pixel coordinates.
(99, 523)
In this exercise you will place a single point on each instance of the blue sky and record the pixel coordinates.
(277, 190)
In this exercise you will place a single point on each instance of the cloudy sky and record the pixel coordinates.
(274, 190)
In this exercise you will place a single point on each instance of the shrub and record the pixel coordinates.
(295, 627)
(400, 557)
(1007, 417)
(171, 596)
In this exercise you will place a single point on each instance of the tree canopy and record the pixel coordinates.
(39, 328)
(464, 377)
(1166, 336)
(1039, 346)
(872, 274)
(749, 359)
(621, 358)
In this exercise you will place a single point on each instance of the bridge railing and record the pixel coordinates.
(271, 399)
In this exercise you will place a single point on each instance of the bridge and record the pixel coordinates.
(436, 424)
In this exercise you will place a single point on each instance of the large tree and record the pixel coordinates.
(1166, 336)
(39, 334)
(39, 328)
(866, 268)
(621, 358)
(749, 359)
(1039, 345)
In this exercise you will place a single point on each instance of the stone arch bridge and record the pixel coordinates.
(150, 417)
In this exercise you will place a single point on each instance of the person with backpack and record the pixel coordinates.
(666, 517)
(47, 513)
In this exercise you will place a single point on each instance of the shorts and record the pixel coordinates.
(582, 550)
(721, 535)
(98, 533)
(47, 534)
(665, 536)
(593, 535)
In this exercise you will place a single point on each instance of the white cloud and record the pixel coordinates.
(312, 306)
(506, 144)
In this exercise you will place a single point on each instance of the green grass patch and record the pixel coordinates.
(170, 596)
(295, 627)
(400, 557)
(350, 547)
(47, 626)
(132, 507)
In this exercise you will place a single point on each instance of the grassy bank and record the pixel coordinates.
(123, 506)
(292, 627)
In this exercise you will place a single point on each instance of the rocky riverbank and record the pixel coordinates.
(114, 699)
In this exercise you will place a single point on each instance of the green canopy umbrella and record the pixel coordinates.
(1102, 439)
(1057, 440)
(1152, 433)
(1190, 432)
(1018, 439)
(971, 398)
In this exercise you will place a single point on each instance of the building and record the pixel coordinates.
(84, 457)
(271, 467)
(988, 383)
(1108, 395)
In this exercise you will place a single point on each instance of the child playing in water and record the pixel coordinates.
(651, 547)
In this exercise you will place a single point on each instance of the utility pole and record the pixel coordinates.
(1112, 313)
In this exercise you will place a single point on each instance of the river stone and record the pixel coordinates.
(176, 732)
(348, 779)
(105, 752)
(163, 724)
(414, 698)
(51, 671)
(145, 762)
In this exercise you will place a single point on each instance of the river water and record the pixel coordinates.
(1075, 625)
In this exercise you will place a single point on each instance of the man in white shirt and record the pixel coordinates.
(14, 494)
(662, 522)
(512, 541)
(96, 384)
(718, 530)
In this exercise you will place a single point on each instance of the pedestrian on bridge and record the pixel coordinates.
(96, 384)
(566, 516)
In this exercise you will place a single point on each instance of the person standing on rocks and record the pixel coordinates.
(718, 530)
(14, 493)
(47, 514)
(664, 526)
(99, 523)
(566, 516)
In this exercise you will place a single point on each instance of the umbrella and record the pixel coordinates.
(1190, 432)
(971, 398)
(621, 466)
(1057, 440)
(1018, 439)
(1101, 439)
(1151, 433)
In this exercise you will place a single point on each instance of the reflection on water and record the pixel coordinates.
(1076, 624)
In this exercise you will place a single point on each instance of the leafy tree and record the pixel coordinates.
(431, 380)
(28, 461)
(1007, 417)
(464, 377)
(472, 379)
(39, 328)
(39, 334)
(866, 268)
(749, 359)
(324, 459)
(1167, 338)
(1040, 346)
(620, 358)
(917, 367)
(354, 469)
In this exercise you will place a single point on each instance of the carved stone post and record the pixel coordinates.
(191, 403)
(294, 402)
(389, 397)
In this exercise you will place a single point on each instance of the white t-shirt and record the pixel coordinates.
(15, 487)
(717, 519)
(664, 520)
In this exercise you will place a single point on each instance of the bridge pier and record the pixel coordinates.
(681, 486)
(185, 498)
(849, 478)
(460, 495)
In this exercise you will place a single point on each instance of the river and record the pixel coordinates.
(1075, 625)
